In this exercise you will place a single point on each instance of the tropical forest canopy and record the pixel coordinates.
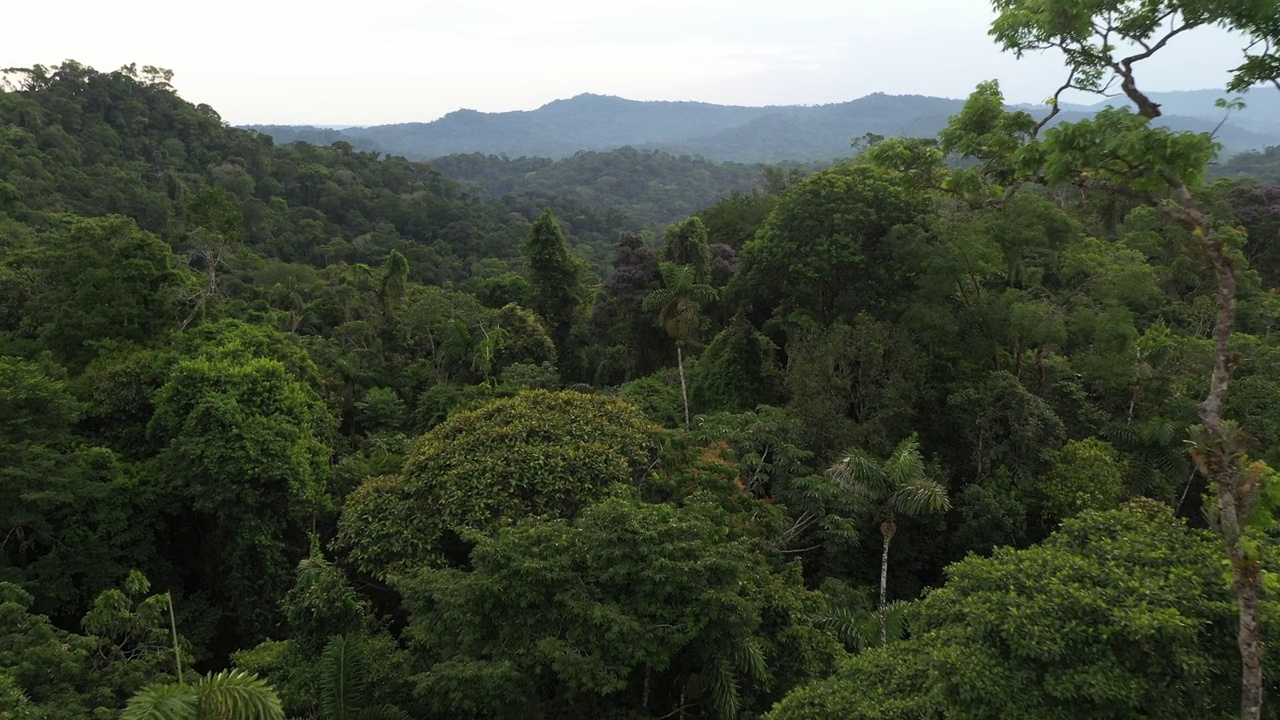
(939, 431)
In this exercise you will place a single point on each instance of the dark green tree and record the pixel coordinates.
(244, 463)
(738, 371)
(826, 249)
(632, 609)
(555, 277)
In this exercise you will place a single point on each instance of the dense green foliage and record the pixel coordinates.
(389, 447)
(1118, 614)
(1263, 166)
(652, 187)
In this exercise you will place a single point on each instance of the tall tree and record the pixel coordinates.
(687, 245)
(1120, 151)
(679, 306)
(555, 277)
(212, 238)
(896, 486)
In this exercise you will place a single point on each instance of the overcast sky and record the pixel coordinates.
(383, 61)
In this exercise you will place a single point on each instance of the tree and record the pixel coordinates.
(826, 248)
(98, 279)
(1119, 614)
(738, 371)
(856, 383)
(127, 644)
(1120, 151)
(244, 470)
(618, 317)
(1086, 475)
(71, 517)
(539, 453)
(895, 486)
(213, 235)
(631, 609)
(686, 244)
(554, 276)
(679, 305)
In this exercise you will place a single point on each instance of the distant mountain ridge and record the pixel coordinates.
(808, 133)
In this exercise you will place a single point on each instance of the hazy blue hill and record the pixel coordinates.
(1261, 113)
(322, 136)
(733, 133)
(559, 128)
(823, 132)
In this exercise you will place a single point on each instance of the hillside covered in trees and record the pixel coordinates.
(975, 426)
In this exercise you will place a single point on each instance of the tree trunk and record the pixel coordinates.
(1246, 578)
(1221, 471)
(684, 391)
(887, 530)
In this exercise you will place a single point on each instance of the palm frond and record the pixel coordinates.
(749, 658)
(905, 464)
(860, 472)
(920, 496)
(163, 702)
(342, 678)
(722, 684)
(657, 299)
(850, 627)
(897, 619)
(237, 695)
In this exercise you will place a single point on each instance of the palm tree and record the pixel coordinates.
(896, 486)
(679, 305)
(228, 695)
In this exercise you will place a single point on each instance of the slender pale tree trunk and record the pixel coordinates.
(887, 529)
(684, 391)
(173, 625)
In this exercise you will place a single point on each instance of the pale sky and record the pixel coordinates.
(385, 61)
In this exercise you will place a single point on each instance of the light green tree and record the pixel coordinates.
(1119, 614)
(896, 486)
(679, 307)
(686, 244)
